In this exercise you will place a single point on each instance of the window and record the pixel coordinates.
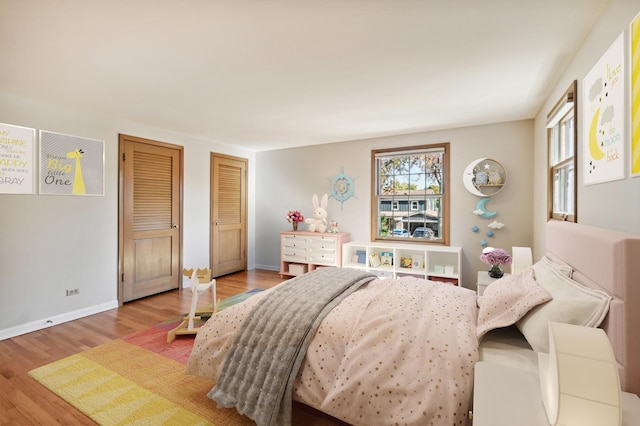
(410, 194)
(562, 137)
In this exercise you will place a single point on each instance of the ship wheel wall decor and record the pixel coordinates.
(342, 187)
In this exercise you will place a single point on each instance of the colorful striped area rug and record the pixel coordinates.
(140, 380)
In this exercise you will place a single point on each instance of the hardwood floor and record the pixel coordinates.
(25, 402)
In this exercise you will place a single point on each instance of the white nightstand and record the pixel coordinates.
(484, 280)
(506, 396)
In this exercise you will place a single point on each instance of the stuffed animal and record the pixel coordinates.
(318, 223)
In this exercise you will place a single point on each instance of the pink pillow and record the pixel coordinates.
(507, 300)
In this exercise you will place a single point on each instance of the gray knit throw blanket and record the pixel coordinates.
(259, 371)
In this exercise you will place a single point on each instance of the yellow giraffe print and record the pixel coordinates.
(78, 180)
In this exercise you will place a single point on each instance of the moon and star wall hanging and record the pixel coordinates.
(484, 178)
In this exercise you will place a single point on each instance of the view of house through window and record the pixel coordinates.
(561, 125)
(410, 199)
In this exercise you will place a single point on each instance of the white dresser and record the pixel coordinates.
(303, 251)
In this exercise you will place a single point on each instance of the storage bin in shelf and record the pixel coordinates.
(296, 269)
(401, 274)
(383, 273)
(441, 279)
(383, 270)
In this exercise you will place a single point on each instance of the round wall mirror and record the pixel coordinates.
(484, 177)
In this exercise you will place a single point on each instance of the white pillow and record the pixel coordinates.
(506, 300)
(572, 303)
(563, 268)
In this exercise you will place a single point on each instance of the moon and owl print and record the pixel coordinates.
(604, 117)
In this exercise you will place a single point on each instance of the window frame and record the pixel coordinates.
(567, 104)
(444, 194)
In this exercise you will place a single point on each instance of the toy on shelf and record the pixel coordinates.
(374, 260)
(387, 258)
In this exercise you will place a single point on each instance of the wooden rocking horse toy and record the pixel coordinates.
(199, 282)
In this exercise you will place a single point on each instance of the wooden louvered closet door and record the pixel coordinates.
(150, 214)
(228, 214)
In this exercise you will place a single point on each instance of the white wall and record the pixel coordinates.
(612, 205)
(52, 243)
(287, 179)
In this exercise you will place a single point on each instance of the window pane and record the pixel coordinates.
(558, 196)
(570, 193)
(563, 189)
(564, 141)
(567, 141)
(553, 146)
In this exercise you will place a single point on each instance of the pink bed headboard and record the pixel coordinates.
(610, 261)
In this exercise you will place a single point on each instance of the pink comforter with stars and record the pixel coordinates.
(393, 352)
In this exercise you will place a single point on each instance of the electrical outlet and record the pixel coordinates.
(72, 292)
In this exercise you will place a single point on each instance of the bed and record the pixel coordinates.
(403, 351)
(609, 261)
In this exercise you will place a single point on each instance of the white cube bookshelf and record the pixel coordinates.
(437, 263)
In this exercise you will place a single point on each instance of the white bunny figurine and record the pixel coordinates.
(319, 221)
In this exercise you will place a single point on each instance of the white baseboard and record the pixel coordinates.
(8, 333)
(267, 267)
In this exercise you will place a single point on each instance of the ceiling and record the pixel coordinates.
(274, 74)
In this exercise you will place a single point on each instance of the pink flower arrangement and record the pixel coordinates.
(294, 216)
(495, 256)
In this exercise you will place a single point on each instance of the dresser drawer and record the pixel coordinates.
(322, 250)
(322, 257)
(317, 251)
(294, 258)
(322, 244)
(294, 254)
(293, 241)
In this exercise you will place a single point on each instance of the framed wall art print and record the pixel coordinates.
(71, 165)
(17, 157)
(634, 55)
(604, 117)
